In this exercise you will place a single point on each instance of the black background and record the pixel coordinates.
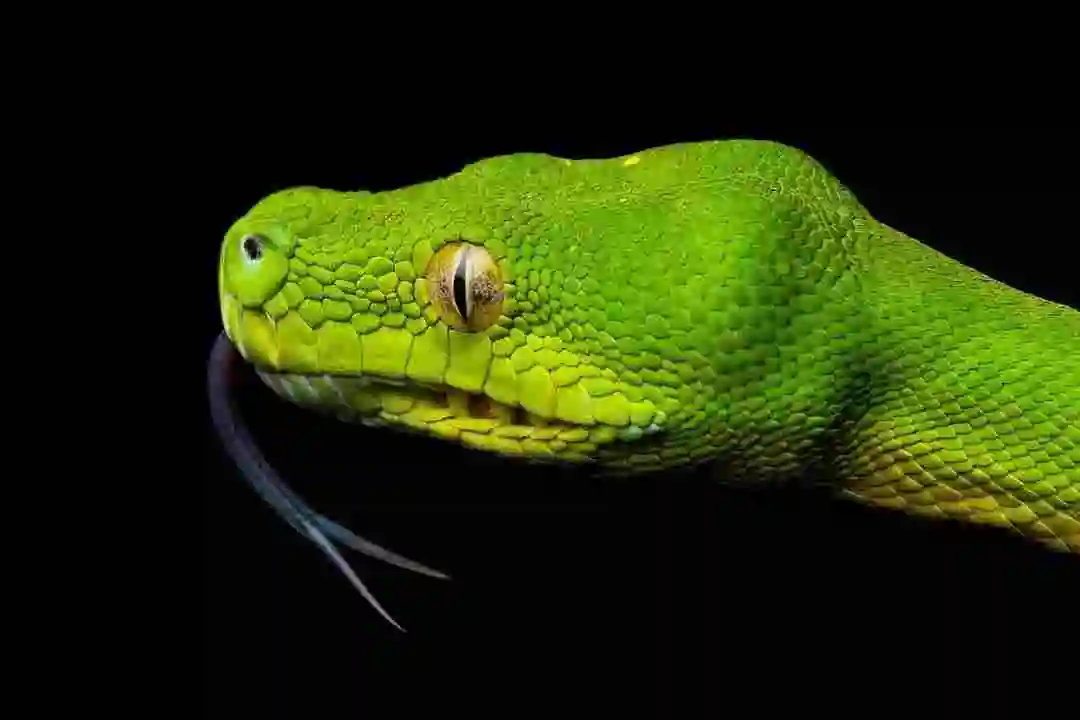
(654, 597)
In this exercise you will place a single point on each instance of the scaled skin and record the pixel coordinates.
(728, 302)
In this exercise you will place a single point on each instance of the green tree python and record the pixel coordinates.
(726, 302)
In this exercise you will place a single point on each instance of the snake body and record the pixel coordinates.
(726, 302)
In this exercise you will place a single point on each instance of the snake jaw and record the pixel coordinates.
(583, 431)
(389, 377)
(450, 413)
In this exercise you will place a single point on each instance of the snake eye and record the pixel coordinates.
(252, 246)
(467, 286)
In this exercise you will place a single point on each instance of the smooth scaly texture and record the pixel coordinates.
(728, 302)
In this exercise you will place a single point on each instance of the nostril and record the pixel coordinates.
(252, 247)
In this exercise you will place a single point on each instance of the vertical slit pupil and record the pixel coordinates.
(461, 288)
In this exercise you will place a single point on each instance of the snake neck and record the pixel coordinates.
(974, 405)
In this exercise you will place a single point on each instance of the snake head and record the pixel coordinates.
(392, 311)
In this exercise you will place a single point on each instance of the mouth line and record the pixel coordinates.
(446, 412)
(377, 399)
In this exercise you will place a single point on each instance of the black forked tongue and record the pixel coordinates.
(241, 447)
